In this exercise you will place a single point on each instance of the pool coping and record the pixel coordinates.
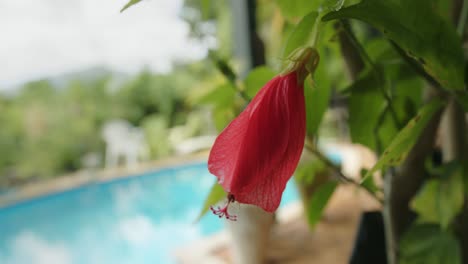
(85, 177)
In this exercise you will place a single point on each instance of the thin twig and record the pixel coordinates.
(338, 171)
(229, 74)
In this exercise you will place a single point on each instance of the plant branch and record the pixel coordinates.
(340, 174)
(355, 64)
(454, 148)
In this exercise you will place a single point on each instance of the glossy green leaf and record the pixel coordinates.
(318, 201)
(256, 79)
(301, 34)
(441, 199)
(129, 4)
(396, 152)
(428, 244)
(216, 194)
(415, 27)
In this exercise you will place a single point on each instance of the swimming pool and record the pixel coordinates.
(135, 220)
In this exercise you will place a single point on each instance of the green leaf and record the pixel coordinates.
(425, 202)
(221, 96)
(428, 244)
(129, 4)
(318, 88)
(222, 116)
(216, 194)
(317, 99)
(451, 195)
(440, 200)
(332, 5)
(365, 107)
(293, 9)
(318, 201)
(396, 152)
(256, 79)
(416, 28)
(301, 33)
(376, 119)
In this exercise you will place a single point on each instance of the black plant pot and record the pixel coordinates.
(369, 247)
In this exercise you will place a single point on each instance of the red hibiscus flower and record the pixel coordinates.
(257, 153)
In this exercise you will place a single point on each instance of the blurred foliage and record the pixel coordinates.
(428, 244)
(317, 203)
(47, 128)
(440, 199)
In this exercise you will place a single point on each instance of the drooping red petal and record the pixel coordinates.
(267, 193)
(257, 153)
(225, 152)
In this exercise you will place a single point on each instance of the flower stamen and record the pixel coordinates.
(223, 211)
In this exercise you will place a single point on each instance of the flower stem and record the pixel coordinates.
(340, 174)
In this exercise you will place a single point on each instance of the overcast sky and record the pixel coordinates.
(40, 38)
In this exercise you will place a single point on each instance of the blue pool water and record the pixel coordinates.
(136, 220)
